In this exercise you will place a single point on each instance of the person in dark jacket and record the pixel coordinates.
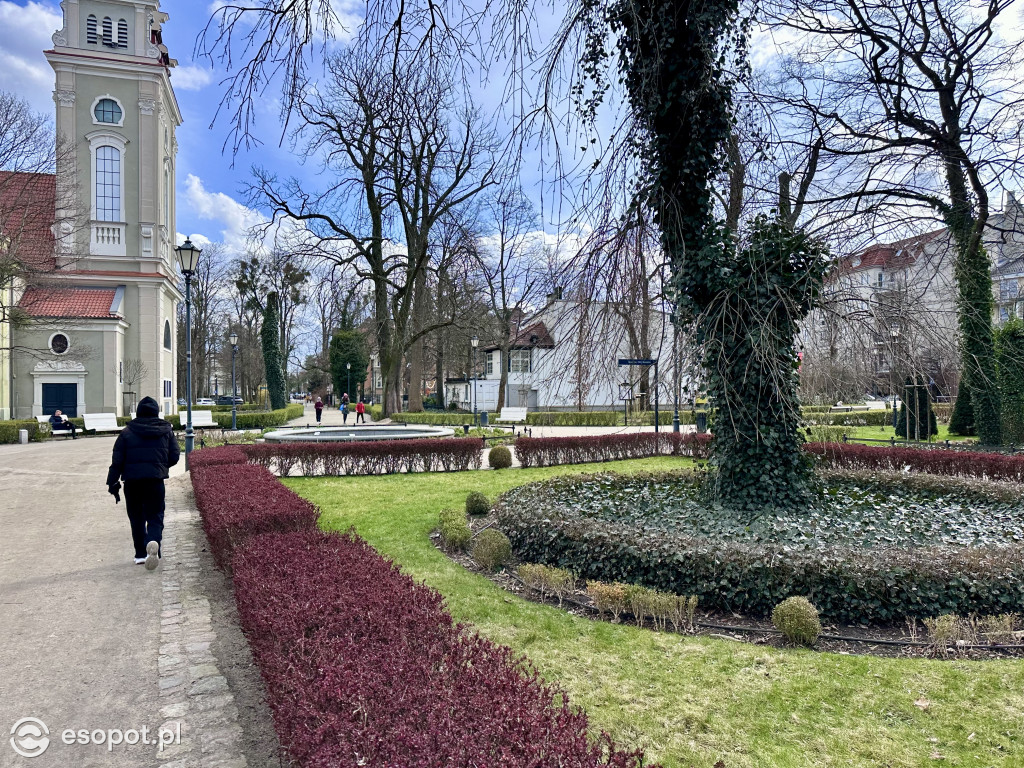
(143, 452)
(319, 407)
(60, 422)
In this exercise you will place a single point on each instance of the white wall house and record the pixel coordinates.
(565, 357)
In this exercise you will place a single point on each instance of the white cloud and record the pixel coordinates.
(235, 220)
(25, 32)
(190, 77)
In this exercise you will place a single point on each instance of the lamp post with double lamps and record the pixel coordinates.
(474, 342)
(234, 387)
(188, 260)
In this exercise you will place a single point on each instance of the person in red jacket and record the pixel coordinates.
(319, 406)
(360, 412)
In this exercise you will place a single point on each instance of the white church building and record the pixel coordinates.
(107, 314)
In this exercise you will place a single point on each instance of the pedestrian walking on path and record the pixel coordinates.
(143, 452)
(360, 412)
(319, 407)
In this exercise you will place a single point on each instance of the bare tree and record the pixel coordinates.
(919, 108)
(404, 156)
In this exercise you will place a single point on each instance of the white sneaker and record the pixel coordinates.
(152, 558)
(140, 560)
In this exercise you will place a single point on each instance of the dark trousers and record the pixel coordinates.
(360, 417)
(63, 428)
(144, 501)
(319, 413)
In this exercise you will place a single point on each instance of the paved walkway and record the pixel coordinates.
(88, 640)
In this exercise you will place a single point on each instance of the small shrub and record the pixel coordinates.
(608, 598)
(547, 580)
(492, 549)
(638, 602)
(454, 530)
(797, 620)
(683, 611)
(999, 630)
(477, 504)
(499, 457)
(947, 632)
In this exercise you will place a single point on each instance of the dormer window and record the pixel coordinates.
(122, 33)
(90, 30)
(108, 111)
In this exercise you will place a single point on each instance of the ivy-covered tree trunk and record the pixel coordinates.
(269, 335)
(744, 302)
(973, 272)
(961, 421)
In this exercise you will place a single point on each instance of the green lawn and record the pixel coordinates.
(693, 701)
(884, 433)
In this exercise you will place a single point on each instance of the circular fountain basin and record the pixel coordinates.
(349, 434)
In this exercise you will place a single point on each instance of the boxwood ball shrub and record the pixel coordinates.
(477, 504)
(492, 549)
(797, 619)
(499, 457)
(454, 529)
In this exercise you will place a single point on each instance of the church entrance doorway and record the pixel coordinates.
(62, 396)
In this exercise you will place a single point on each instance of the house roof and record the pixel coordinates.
(48, 301)
(532, 336)
(896, 255)
(27, 213)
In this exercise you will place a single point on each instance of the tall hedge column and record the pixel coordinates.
(269, 335)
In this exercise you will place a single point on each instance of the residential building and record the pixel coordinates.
(565, 357)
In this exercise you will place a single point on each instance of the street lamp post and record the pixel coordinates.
(234, 389)
(474, 342)
(188, 259)
(675, 374)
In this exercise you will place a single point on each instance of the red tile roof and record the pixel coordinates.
(897, 255)
(27, 213)
(536, 336)
(68, 302)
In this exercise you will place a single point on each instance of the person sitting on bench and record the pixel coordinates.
(60, 422)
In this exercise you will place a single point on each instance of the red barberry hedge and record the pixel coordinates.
(994, 466)
(243, 500)
(376, 457)
(364, 666)
(550, 451)
(225, 454)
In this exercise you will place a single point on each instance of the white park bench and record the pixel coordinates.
(199, 419)
(101, 422)
(517, 415)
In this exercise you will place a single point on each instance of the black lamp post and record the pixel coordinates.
(234, 389)
(348, 374)
(188, 259)
(474, 342)
(675, 373)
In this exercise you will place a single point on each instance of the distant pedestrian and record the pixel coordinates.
(60, 423)
(360, 412)
(344, 412)
(143, 452)
(319, 406)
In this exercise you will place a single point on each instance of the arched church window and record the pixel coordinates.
(167, 334)
(108, 184)
(107, 111)
(90, 29)
(108, 31)
(122, 33)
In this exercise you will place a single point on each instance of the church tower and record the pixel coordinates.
(116, 119)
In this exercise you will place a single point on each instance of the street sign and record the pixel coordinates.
(635, 361)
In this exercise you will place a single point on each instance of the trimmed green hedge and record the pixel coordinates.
(440, 419)
(574, 418)
(250, 420)
(9, 430)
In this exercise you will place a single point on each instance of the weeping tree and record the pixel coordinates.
(276, 385)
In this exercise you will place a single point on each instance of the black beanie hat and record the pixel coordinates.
(147, 408)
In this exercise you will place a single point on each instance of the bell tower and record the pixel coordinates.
(116, 117)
